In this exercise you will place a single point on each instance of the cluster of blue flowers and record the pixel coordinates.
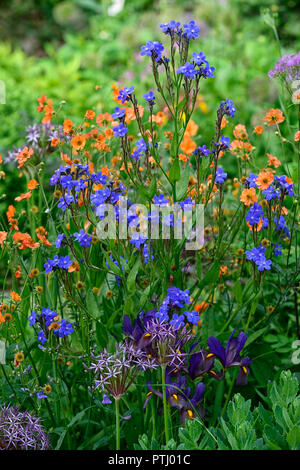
(46, 320)
(141, 147)
(175, 300)
(62, 262)
(191, 30)
(257, 255)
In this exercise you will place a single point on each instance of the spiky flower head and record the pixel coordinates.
(115, 372)
(21, 430)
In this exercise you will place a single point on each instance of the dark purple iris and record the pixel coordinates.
(230, 356)
(178, 396)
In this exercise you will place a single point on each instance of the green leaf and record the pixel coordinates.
(174, 174)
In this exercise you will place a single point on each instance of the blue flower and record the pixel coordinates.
(192, 317)
(83, 238)
(199, 58)
(149, 97)
(119, 113)
(202, 151)
(254, 214)
(177, 321)
(106, 400)
(228, 107)
(191, 30)
(41, 395)
(124, 93)
(220, 176)
(188, 70)
(154, 48)
(41, 337)
(32, 319)
(225, 141)
(160, 200)
(277, 250)
(64, 262)
(59, 240)
(167, 28)
(251, 180)
(120, 130)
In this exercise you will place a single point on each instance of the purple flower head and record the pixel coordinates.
(287, 67)
(21, 430)
(115, 372)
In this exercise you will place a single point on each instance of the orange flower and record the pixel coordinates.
(264, 179)
(200, 308)
(224, 122)
(130, 114)
(41, 234)
(54, 142)
(3, 236)
(18, 274)
(182, 157)
(223, 270)
(89, 114)
(273, 160)
(191, 129)
(240, 132)
(103, 119)
(74, 267)
(23, 196)
(78, 142)
(10, 213)
(274, 116)
(297, 136)
(1, 158)
(24, 155)
(2, 319)
(109, 133)
(188, 145)
(248, 196)
(24, 241)
(32, 184)
(258, 130)
(15, 297)
(159, 118)
(68, 126)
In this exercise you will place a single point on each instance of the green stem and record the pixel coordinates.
(163, 374)
(117, 405)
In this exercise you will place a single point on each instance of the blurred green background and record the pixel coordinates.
(65, 48)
